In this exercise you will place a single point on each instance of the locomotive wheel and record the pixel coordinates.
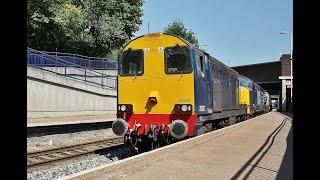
(232, 120)
(226, 122)
(214, 127)
(220, 124)
(209, 126)
(238, 119)
(203, 130)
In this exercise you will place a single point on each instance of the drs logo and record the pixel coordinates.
(202, 108)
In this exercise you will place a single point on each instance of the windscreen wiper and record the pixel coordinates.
(125, 57)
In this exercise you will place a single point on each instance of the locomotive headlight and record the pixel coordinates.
(189, 107)
(123, 107)
(184, 108)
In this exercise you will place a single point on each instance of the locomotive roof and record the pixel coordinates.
(223, 66)
(212, 59)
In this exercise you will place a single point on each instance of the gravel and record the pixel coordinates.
(70, 166)
(75, 166)
(59, 140)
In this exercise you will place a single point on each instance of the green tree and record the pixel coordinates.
(42, 31)
(88, 27)
(178, 28)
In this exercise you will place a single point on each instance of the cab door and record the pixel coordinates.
(202, 83)
(208, 79)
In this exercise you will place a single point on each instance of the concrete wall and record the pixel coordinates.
(51, 95)
(109, 79)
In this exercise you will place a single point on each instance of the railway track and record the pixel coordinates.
(47, 156)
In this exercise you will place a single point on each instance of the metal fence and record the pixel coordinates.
(80, 69)
(88, 62)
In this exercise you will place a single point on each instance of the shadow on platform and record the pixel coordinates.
(289, 114)
(286, 168)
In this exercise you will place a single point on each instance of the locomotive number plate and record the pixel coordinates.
(184, 100)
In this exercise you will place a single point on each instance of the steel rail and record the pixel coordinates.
(55, 154)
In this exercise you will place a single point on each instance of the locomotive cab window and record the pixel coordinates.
(177, 60)
(131, 62)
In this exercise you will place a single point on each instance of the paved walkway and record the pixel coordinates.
(259, 148)
(33, 122)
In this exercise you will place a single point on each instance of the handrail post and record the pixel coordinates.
(102, 80)
(56, 64)
(89, 63)
(41, 61)
(85, 75)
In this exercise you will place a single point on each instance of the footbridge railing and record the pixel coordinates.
(87, 69)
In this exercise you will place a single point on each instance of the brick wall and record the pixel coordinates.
(285, 65)
(263, 72)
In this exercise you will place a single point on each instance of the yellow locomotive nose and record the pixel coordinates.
(155, 73)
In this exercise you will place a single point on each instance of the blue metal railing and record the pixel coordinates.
(89, 62)
(77, 69)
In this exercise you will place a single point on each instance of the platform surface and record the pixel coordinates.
(50, 121)
(259, 148)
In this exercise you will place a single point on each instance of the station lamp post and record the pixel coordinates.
(291, 47)
(203, 45)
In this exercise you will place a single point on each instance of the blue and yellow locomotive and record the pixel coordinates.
(169, 89)
(254, 97)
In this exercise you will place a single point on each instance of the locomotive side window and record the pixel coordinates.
(131, 62)
(200, 61)
(177, 60)
(245, 82)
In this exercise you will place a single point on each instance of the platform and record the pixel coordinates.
(51, 121)
(259, 148)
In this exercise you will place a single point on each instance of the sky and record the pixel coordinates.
(236, 32)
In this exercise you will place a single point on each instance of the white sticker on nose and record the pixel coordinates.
(146, 50)
(160, 49)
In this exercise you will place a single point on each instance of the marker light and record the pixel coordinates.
(189, 108)
(177, 108)
(184, 108)
(123, 107)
